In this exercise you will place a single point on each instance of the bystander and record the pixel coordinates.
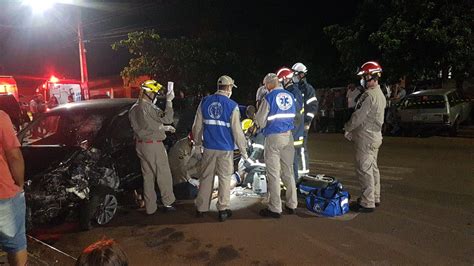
(12, 197)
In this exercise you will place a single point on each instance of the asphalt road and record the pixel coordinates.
(426, 217)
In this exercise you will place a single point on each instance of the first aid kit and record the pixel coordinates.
(308, 183)
(329, 201)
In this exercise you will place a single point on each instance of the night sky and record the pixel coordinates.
(33, 47)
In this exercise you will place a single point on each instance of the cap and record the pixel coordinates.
(226, 80)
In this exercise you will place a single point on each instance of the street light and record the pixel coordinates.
(39, 7)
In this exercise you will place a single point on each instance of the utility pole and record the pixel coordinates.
(82, 57)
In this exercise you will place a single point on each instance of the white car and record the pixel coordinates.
(434, 109)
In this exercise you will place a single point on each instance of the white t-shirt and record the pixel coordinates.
(351, 96)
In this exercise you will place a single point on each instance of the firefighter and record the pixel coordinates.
(364, 129)
(217, 128)
(147, 122)
(184, 166)
(285, 76)
(276, 117)
(310, 107)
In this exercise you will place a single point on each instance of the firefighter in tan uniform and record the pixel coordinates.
(365, 130)
(217, 128)
(276, 117)
(147, 122)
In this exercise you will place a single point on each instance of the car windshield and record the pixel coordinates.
(424, 102)
(63, 129)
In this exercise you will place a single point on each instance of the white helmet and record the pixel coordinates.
(299, 68)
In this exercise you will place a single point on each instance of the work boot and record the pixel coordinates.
(169, 208)
(356, 207)
(290, 210)
(268, 213)
(223, 215)
(377, 204)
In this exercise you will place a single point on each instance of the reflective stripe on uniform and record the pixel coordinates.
(278, 116)
(310, 100)
(310, 115)
(216, 123)
(298, 142)
(303, 162)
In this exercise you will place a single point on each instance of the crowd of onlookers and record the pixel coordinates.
(336, 106)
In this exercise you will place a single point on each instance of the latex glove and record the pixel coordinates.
(348, 135)
(170, 96)
(306, 127)
(170, 129)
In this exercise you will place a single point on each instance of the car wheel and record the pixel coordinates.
(100, 209)
(453, 131)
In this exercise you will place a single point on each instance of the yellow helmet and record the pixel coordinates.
(246, 124)
(151, 86)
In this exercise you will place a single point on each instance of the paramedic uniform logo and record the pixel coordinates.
(284, 101)
(215, 110)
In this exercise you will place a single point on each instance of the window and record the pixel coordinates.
(70, 129)
(125, 135)
(424, 102)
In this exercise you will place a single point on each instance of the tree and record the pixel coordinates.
(194, 64)
(413, 38)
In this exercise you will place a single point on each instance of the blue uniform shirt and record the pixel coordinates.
(217, 111)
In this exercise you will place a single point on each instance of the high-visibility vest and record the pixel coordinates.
(282, 112)
(217, 111)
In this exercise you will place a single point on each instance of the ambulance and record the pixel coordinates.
(8, 86)
(65, 91)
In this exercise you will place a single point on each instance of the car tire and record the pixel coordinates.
(453, 131)
(100, 209)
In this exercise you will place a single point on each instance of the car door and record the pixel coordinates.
(122, 150)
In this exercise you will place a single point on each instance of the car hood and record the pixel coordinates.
(40, 158)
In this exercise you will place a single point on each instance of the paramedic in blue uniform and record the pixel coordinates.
(218, 129)
(276, 116)
(310, 106)
(285, 76)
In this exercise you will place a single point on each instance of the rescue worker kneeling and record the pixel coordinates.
(275, 117)
(147, 122)
(217, 128)
(185, 160)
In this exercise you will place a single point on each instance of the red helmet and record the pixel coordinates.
(284, 73)
(370, 68)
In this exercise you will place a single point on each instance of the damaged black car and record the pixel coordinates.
(79, 157)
